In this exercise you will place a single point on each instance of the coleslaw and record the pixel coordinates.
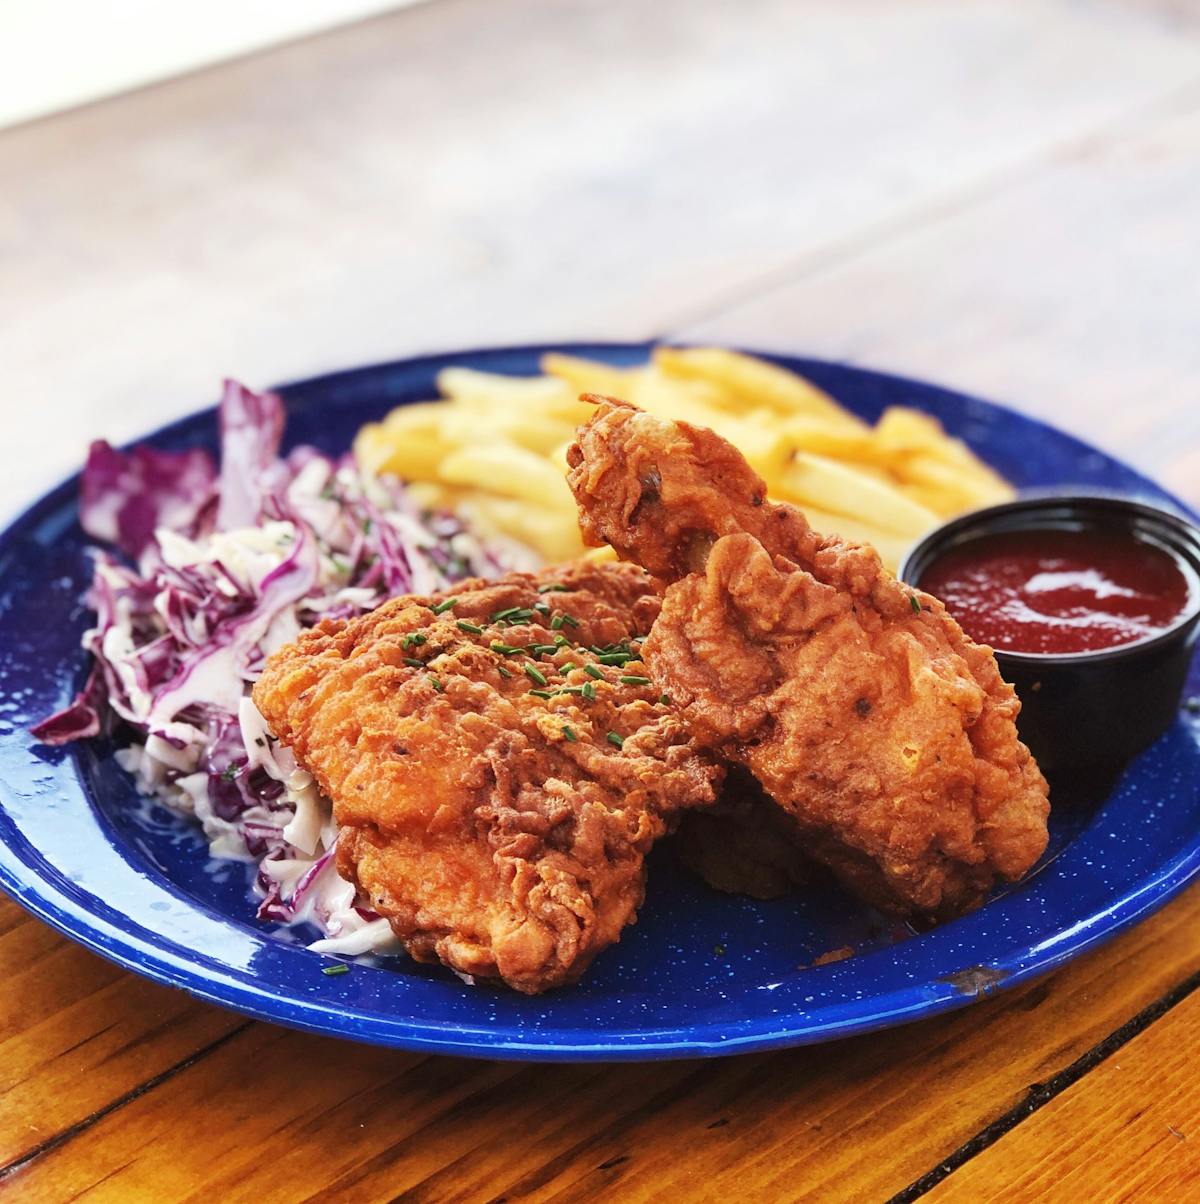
(212, 569)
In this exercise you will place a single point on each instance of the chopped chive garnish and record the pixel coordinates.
(632, 679)
(556, 623)
(534, 673)
(915, 603)
(442, 607)
(553, 587)
(543, 649)
(592, 671)
(570, 620)
(543, 608)
(561, 641)
(615, 740)
(472, 628)
(414, 637)
(334, 971)
(503, 671)
(569, 667)
(513, 614)
(589, 691)
(616, 658)
(416, 664)
(541, 693)
(664, 700)
(504, 649)
(570, 689)
(436, 683)
(569, 734)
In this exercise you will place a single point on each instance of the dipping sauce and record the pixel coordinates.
(1058, 590)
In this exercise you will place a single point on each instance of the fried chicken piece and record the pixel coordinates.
(745, 845)
(857, 702)
(497, 781)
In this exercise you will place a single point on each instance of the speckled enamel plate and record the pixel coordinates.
(700, 973)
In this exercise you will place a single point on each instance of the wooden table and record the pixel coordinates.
(1000, 196)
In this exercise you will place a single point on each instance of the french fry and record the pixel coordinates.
(891, 547)
(412, 451)
(749, 381)
(539, 433)
(955, 488)
(765, 448)
(509, 471)
(488, 393)
(494, 447)
(807, 432)
(554, 534)
(587, 376)
(906, 430)
(840, 489)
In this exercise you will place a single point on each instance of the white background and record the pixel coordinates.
(58, 53)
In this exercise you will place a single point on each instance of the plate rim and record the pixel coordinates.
(903, 1004)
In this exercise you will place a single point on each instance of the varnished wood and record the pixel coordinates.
(1129, 1131)
(857, 1120)
(1038, 297)
(471, 172)
(77, 1032)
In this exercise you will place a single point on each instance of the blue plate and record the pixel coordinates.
(700, 973)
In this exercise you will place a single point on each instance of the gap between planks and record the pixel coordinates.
(1040, 1094)
(73, 1130)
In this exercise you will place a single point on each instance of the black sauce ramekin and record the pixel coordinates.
(1098, 708)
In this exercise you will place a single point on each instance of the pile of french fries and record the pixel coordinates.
(494, 447)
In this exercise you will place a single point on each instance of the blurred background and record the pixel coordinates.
(999, 195)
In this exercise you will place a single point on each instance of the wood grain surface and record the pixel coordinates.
(1127, 1132)
(468, 172)
(864, 1118)
(1002, 197)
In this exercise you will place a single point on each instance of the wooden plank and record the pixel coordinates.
(858, 1119)
(468, 172)
(77, 1032)
(1071, 295)
(1129, 1131)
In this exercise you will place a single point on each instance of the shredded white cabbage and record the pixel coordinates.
(180, 640)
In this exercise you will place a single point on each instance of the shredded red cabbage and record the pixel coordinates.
(230, 565)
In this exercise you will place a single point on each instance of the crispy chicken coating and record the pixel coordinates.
(499, 764)
(857, 702)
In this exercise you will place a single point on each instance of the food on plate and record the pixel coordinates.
(217, 569)
(493, 449)
(356, 674)
(745, 845)
(857, 703)
(499, 764)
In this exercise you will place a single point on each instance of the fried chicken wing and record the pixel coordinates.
(857, 702)
(499, 764)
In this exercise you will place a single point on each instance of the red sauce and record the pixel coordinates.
(1059, 590)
